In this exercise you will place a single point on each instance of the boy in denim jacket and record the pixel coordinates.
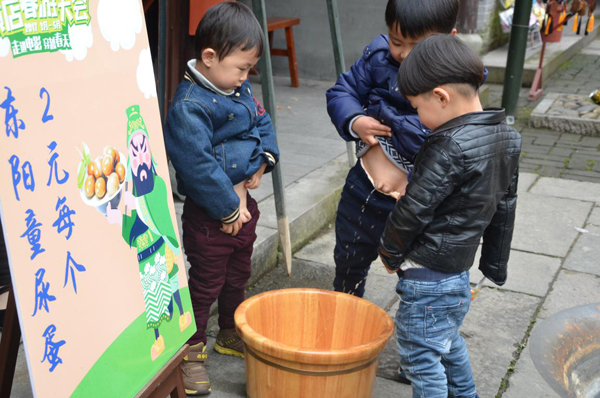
(221, 142)
(463, 189)
(366, 106)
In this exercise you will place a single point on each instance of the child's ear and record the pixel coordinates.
(442, 96)
(453, 33)
(209, 56)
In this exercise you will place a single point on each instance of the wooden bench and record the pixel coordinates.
(276, 23)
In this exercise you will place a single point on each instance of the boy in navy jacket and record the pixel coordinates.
(367, 107)
(221, 141)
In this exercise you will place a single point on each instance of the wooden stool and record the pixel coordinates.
(276, 23)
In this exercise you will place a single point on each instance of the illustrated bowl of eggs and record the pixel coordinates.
(100, 180)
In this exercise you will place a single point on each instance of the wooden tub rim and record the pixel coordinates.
(259, 343)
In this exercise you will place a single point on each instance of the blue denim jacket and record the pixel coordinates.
(215, 142)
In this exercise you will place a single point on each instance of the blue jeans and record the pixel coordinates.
(432, 352)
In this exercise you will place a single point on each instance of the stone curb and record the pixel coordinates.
(574, 125)
(553, 59)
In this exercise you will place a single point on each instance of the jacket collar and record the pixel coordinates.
(488, 116)
(198, 78)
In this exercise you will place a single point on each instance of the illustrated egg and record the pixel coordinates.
(117, 156)
(107, 165)
(100, 188)
(120, 170)
(97, 168)
(90, 183)
(91, 169)
(110, 151)
(112, 184)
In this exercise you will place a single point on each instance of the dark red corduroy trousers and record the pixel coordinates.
(220, 265)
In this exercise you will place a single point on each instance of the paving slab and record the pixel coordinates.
(595, 216)
(264, 256)
(546, 225)
(560, 188)
(227, 374)
(526, 381)
(528, 273)
(389, 361)
(293, 104)
(320, 250)
(586, 252)
(311, 202)
(385, 388)
(571, 289)
(380, 287)
(592, 49)
(495, 325)
(526, 180)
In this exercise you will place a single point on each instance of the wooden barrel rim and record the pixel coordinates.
(276, 349)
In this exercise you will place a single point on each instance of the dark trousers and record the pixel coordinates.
(361, 217)
(220, 265)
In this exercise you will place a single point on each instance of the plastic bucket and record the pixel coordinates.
(308, 343)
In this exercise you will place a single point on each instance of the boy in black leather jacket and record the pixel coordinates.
(463, 188)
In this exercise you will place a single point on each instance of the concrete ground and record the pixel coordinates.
(553, 265)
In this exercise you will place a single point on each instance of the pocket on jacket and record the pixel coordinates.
(459, 251)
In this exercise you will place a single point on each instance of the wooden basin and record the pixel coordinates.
(303, 343)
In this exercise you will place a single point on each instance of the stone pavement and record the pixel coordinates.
(553, 266)
(551, 153)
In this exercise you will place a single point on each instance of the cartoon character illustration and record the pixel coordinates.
(150, 230)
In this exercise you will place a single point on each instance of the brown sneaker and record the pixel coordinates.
(229, 343)
(195, 379)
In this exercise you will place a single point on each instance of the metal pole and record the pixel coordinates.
(162, 55)
(338, 55)
(516, 56)
(266, 80)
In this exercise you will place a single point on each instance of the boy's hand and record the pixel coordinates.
(245, 216)
(232, 228)
(367, 128)
(254, 181)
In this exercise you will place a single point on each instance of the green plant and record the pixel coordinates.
(590, 164)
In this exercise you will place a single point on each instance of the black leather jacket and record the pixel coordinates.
(463, 188)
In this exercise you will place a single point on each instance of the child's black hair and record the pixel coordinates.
(438, 60)
(227, 27)
(417, 18)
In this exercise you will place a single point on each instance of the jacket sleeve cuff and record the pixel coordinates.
(391, 262)
(495, 273)
(232, 217)
(271, 159)
(352, 133)
(271, 162)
